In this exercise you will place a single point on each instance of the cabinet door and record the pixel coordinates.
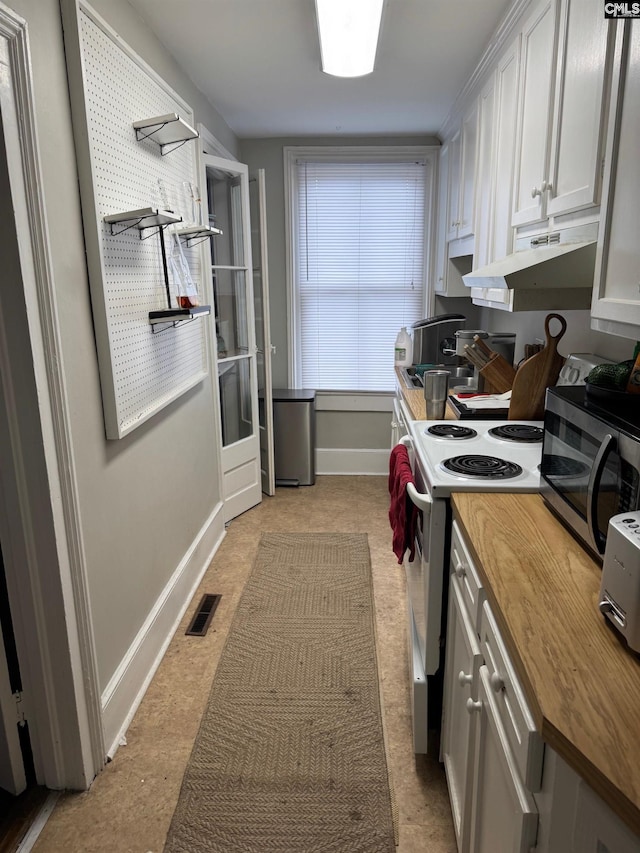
(468, 172)
(462, 664)
(535, 106)
(484, 181)
(440, 283)
(597, 829)
(455, 148)
(585, 46)
(616, 299)
(506, 108)
(504, 816)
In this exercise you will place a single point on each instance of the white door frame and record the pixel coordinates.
(260, 227)
(40, 526)
(240, 469)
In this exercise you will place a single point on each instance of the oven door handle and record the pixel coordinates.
(595, 478)
(423, 502)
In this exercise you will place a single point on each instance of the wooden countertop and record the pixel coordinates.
(581, 681)
(414, 400)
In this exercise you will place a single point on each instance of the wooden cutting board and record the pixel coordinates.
(535, 375)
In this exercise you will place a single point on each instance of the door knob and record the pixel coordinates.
(464, 679)
(473, 706)
(535, 191)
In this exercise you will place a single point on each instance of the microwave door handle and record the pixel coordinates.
(597, 539)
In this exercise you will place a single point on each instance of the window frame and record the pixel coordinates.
(354, 153)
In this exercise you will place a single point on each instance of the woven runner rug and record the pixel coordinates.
(290, 755)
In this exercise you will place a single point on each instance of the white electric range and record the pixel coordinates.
(446, 457)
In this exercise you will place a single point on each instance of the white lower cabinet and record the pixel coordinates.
(573, 818)
(509, 792)
(504, 818)
(491, 751)
(461, 680)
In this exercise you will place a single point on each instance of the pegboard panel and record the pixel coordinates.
(141, 371)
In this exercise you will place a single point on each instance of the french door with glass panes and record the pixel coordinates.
(226, 204)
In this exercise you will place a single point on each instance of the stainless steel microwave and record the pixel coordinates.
(590, 469)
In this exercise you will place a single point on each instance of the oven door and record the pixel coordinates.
(425, 572)
(425, 578)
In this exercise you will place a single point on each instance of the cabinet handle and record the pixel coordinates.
(460, 570)
(547, 186)
(473, 706)
(496, 682)
(464, 679)
(536, 191)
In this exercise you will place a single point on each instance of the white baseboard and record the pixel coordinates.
(124, 692)
(352, 461)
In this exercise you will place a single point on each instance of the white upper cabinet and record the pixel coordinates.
(440, 284)
(496, 153)
(462, 166)
(485, 165)
(616, 298)
(584, 55)
(506, 111)
(534, 120)
(467, 178)
(453, 194)
(562, 109)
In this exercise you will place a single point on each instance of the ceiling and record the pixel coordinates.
(258, 63)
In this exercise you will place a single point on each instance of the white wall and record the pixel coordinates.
(579, 337)
(139, 517)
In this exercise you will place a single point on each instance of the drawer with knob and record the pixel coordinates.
(510, 703)
(466, 577)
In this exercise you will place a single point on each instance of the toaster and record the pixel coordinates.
(620, 585)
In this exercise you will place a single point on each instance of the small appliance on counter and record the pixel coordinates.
(578, 366)
(434, 339)
(590, 470)
(620, 587)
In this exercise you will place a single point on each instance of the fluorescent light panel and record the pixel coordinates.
(348, 32)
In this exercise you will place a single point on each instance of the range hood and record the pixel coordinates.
(552, 262)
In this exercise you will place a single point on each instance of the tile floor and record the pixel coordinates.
(130, 804)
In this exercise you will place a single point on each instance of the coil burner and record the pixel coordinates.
(482, 467)
(517, 432)
(451, 431)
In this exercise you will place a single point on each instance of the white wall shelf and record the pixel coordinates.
(197, 234)
(146, 217)
(171, 317)
(168, 131)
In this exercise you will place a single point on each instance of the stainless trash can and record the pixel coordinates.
(294, 436)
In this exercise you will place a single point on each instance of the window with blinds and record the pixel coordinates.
(358, 267)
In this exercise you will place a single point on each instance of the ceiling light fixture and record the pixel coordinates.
(348, 31)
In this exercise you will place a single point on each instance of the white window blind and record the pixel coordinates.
(359, 259)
